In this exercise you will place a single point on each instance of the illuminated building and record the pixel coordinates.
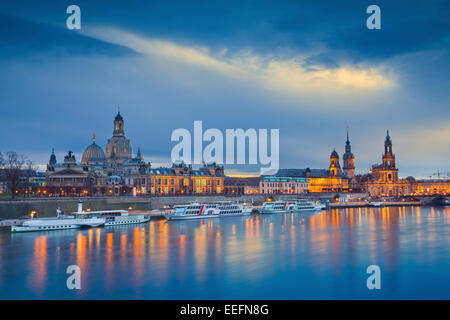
(182, 179)
(118, 147)
(68, 178)
(283, 185)
(321, 180)
(349, 160)
(241, 185)
(383, 180)
(115, 172)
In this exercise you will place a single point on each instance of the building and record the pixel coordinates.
(283, 185)
(117, 172)
(182, 179)
(241, 185)
(333, 179)
(322, 180)
(68, 178)
(29, 181)
(383, 179)
(429, 187)
(118, 147)
(349, 160)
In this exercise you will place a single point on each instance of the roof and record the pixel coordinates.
(282, 179)
(163, 171)
(301, 173)
(118, 117)
(242, 181)
(93, 153)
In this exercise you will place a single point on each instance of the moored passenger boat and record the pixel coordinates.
(119, 217)
(291, 206)
(197, 210)
(58, 223)
(81, 219)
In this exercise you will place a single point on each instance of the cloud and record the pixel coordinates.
(291, 75)
(428, 144)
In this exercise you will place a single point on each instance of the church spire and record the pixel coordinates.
(388, 144)
(52, 158)
(118, 125)
(349, 159)
(348, 148)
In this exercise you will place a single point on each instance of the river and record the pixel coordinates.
(321, 255)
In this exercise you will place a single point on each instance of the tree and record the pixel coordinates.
(2, 178)
(28, 172)
(12, 165)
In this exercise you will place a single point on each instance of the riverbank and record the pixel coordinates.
(379, 204)
(45, 207)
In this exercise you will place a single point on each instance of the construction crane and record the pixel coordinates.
(439, 174)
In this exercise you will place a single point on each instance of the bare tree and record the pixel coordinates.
(2, 177)
(27, 173)
(12, 165)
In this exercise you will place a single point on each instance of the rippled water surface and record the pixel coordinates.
(320, 255)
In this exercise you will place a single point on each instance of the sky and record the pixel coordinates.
(308, 68)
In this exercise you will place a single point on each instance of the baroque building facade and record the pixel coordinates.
(333, 179)
(349, 160)
(283, 185)
(117, 172)
(383, 179)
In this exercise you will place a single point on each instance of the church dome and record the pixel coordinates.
(118, 117)
(348, 155)
(334, 154)
(93, 153)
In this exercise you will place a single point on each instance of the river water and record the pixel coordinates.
(321, 255)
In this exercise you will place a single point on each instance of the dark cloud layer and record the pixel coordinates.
(58, 86)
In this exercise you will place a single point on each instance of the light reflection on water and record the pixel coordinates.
(284, 256)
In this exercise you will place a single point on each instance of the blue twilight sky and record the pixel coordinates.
(308, 68)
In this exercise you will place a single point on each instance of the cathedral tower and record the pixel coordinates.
(349, 160)
(118, 125)
(118, 148)
(335, 167)
(388, 156)
(390, 171)
(52, 160)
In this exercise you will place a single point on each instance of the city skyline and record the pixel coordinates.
(229, 172)
(290, 69)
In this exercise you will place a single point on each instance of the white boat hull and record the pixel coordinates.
(205, 216)
(129, 220)
(29, 229)
(57, 224)
(288, 210)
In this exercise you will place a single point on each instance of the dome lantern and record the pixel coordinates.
(93, 153)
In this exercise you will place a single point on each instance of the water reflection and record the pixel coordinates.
(38, 275)
(232, 257)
